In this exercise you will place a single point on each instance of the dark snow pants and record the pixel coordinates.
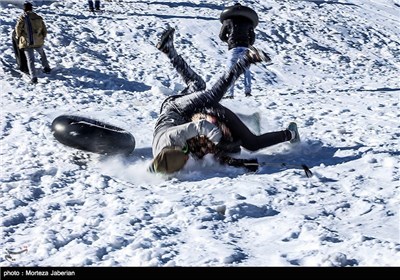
(197, 98)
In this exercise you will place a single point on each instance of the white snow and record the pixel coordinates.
(335, 72)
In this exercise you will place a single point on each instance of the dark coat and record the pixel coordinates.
(237, 32)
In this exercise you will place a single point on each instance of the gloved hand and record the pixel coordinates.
(229, 146)
(250, 164)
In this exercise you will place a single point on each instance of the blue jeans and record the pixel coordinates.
(235, 55)
(30, 57)
(96, 4)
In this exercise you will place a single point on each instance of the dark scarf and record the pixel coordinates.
(28, 24)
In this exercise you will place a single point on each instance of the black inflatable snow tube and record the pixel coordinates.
(239, 10)
(92, 135)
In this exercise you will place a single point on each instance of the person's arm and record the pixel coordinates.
(19, 27)
(178, 135)
(192, 129)
(44, 29)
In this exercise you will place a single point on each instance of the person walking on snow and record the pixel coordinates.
(96, 5)
(195, 123)
(31, 32)
(238, 33)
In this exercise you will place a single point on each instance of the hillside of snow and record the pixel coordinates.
(335, 72)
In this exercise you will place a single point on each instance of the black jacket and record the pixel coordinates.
(237, 32)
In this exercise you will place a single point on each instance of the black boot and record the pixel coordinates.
(248, 94)
(193, 81)
(166, 42)
(47, 70)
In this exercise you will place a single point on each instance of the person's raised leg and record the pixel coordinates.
(252, 56)
(210, 97)
(193, 81)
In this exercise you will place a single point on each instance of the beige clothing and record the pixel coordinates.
(39, 31)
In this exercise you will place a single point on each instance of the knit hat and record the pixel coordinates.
(169, 160)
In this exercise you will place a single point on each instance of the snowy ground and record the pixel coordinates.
(335, 72)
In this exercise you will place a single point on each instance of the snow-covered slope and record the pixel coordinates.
(335, 72)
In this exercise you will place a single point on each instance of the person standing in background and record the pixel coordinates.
(30, 32)
(96, 5)
(238, 23)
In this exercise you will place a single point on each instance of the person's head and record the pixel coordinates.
(169, 160)
(27, 6)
